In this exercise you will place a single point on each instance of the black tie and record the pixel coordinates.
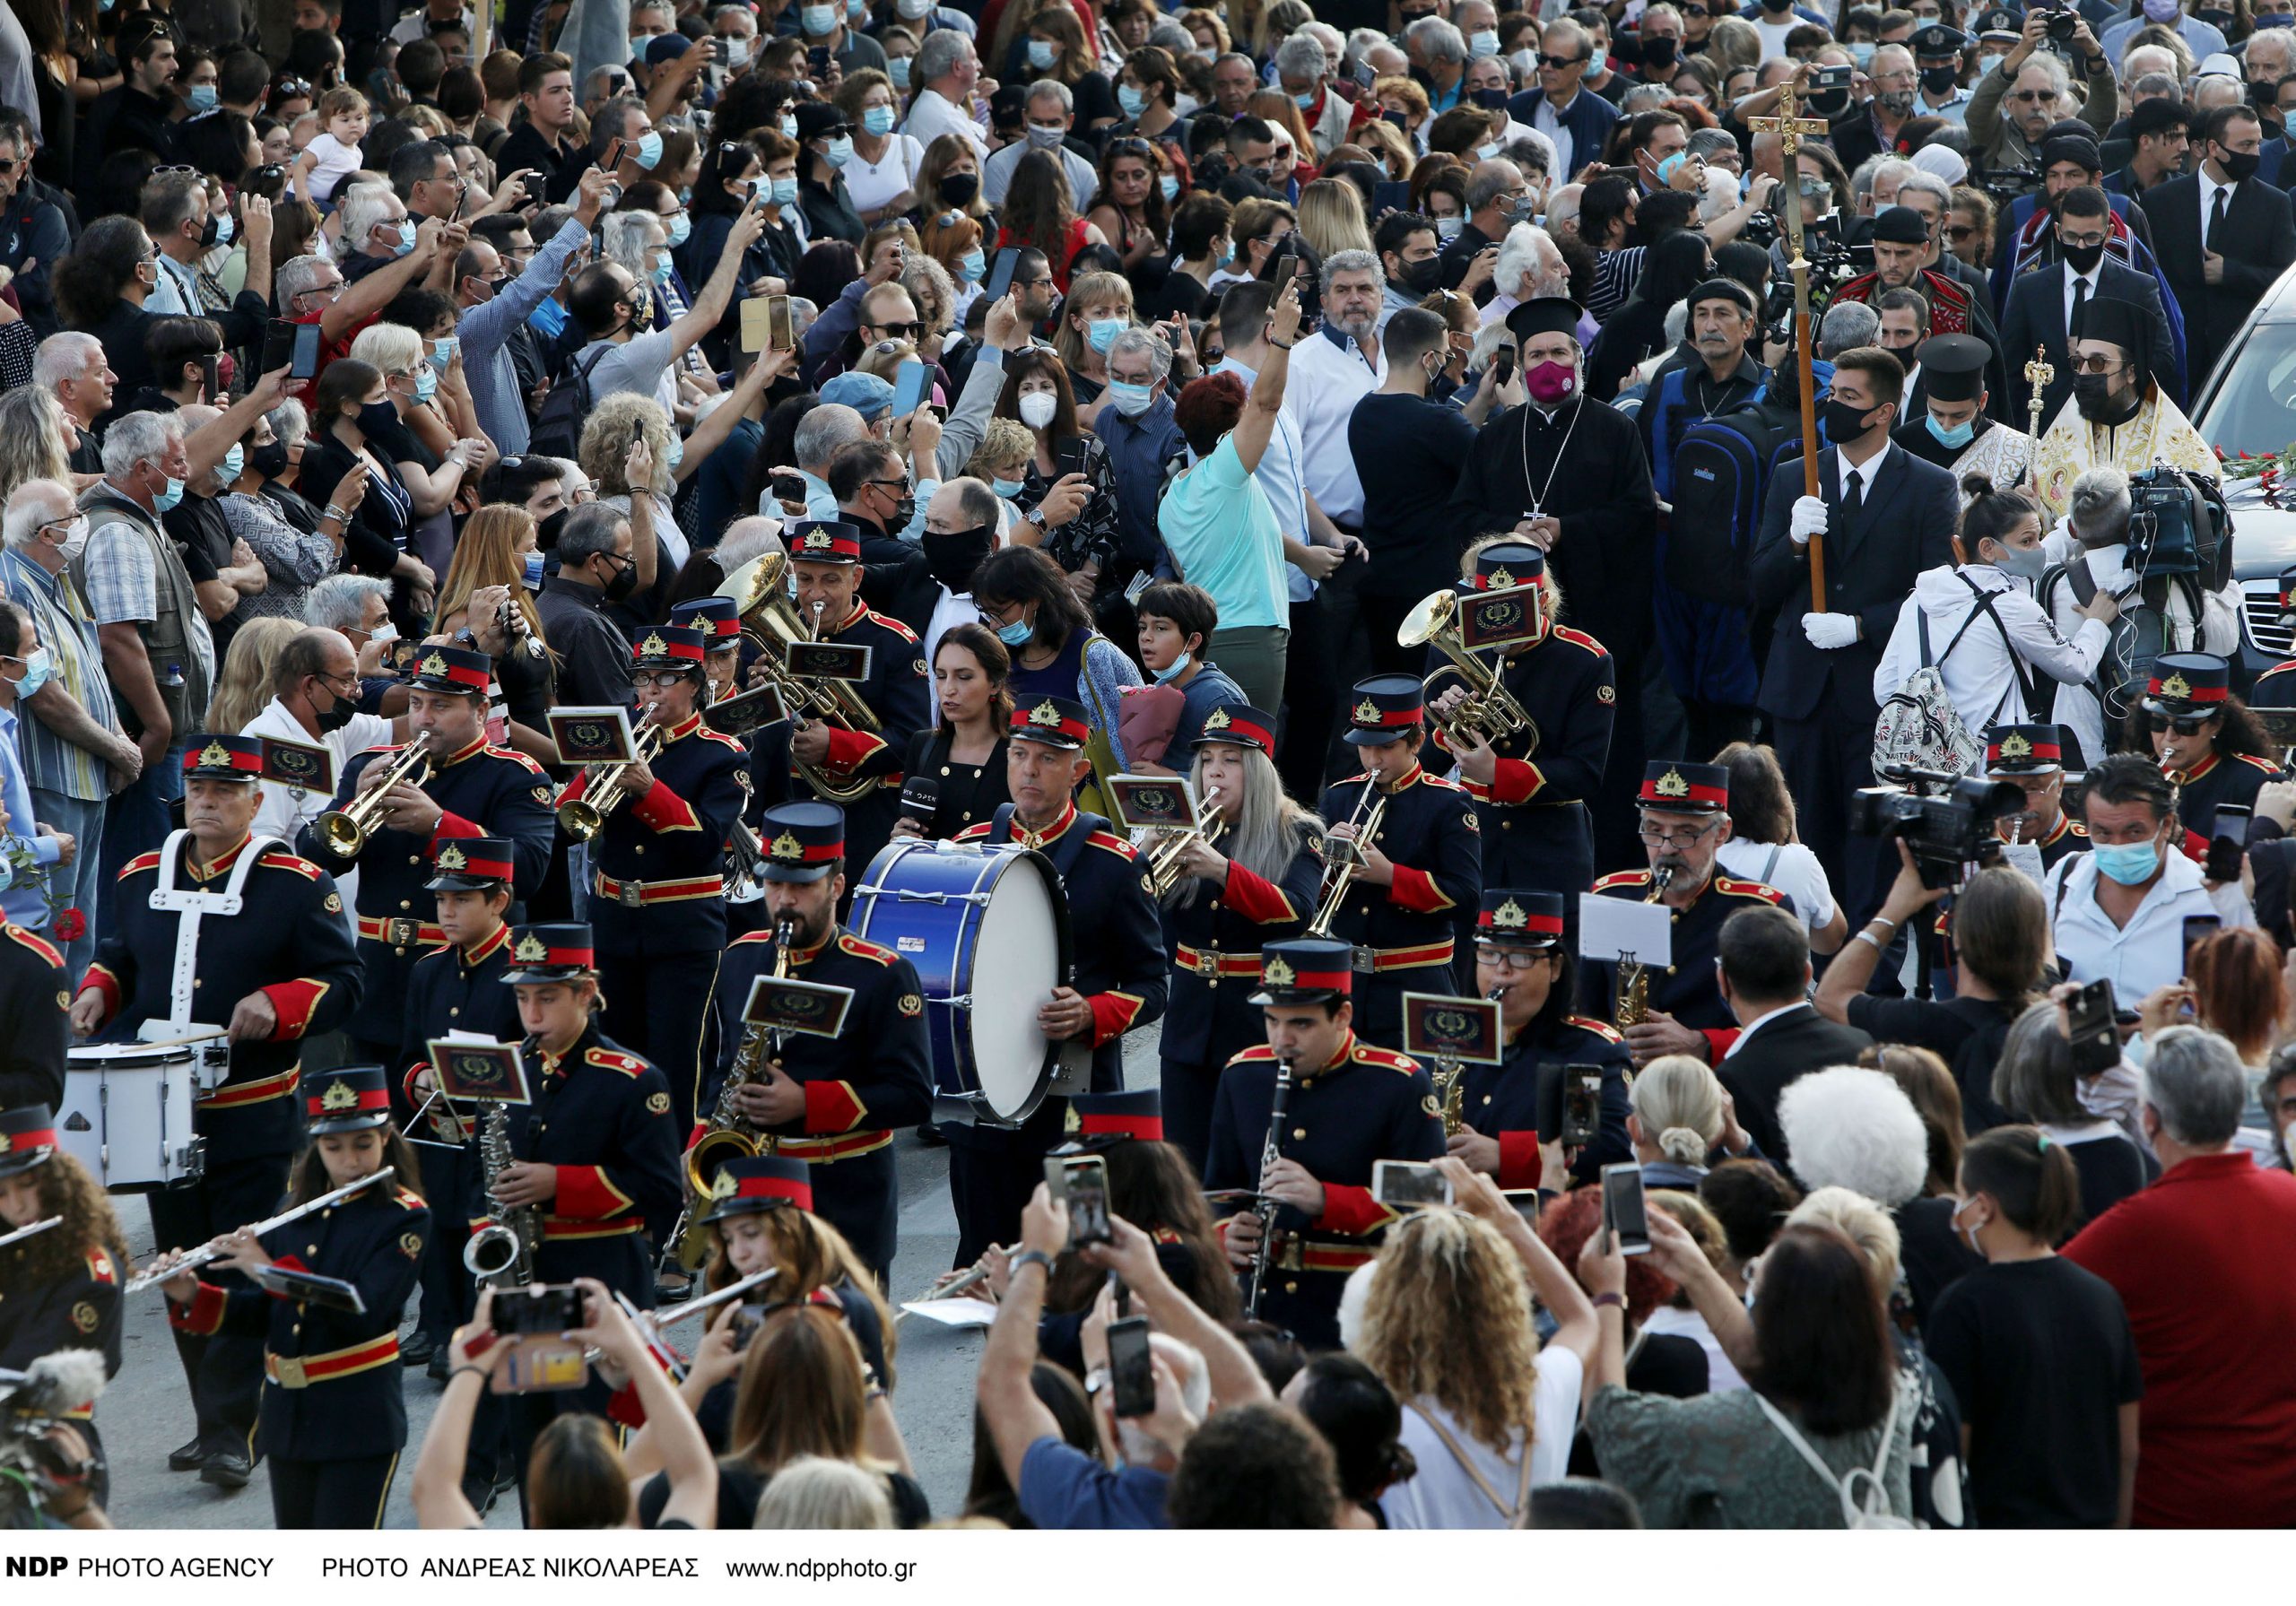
(1853, 496)
(2216, 218)
(2079, 301)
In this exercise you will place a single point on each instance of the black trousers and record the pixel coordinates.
(861, 1198)
(1187, 1092)
(1382, 612)
(451, 1183)
(1826, 757)
(225, 1371)
(992, 1173)
(331, 1494)
(657, 1006)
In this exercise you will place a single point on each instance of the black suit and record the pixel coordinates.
(2035, 316)
(1823, 702)
(1789, 1046)
(2258, 240)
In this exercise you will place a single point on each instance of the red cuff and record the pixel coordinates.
(1718, 1039)
(832, 1106)
(1518, 1159)
(1352, 1210)
(584, 1194)
(1256, 897)
(1113, 1014)
(1517, 781)
(293, 1002)
(288, 1262)
(1416, 889)
(625, 1409)
(2195, 848)
(664, 811)
(848, 749)
(576, 787)
(454, 825)
(203, 1315)
(107, 983)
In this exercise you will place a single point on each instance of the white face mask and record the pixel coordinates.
(386, 631)
(1037, 409)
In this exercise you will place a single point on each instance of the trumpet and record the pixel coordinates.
(1491, 711)
(606, 787)
(760, 589)
(345, 830)
(1164, 857)
(208, 1254)
(1347, 858)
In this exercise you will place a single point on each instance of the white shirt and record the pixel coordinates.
(1442, 1494)
(2088, 278)
(1546, 122)
(1666, 1320)
(2149, 951)
(1797, 872)
(1979, 673)
(2208, 188)
(285, 811)
(930, 117)
(870, 185)
(1319, 394)
(1864, 475)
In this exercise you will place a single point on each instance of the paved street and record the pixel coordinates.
(146, 1411)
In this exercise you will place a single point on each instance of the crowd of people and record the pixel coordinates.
(530, 531)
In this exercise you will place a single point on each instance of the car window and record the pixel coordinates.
(2255, 409)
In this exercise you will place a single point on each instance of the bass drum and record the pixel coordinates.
(988, 929)
(126, 1114)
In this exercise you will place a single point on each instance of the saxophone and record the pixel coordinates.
(1450, 1077)
(1633, 978)
(727, 1134)
(501, 1254)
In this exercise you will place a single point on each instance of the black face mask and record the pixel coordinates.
(547, 532)
(269, 461)
(624, 581)
(1939, 80)
(337, 714)
(958, 189)
(2081, 259)
(2238, 165)
(2093, 395)
(1421, 278)
(952, 557)
(1490, 100)
(1658, 53)
(1845, 423)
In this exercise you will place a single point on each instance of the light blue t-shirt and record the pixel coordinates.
(1224, 535)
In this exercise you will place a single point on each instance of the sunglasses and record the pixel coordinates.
(1559, 61)
(2160, 724)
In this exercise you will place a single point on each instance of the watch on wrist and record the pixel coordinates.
(1031, 1257)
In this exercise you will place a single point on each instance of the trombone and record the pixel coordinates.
(606, 785)
(208, 1254)
(345, 830)
(1164, 857)
(1491, 711)
(1346, 856)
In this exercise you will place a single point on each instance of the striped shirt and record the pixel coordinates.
(68, 631)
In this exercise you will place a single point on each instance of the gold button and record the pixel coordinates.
(295, 1329)
(1506, 824)
(455, 1010)
(414, 858)
(404, 903)
(944, 769)
(641, 848)
(195, 984)
(1670, 970)
(1486, 1099)
(1291, 1287)
(1299, 1132)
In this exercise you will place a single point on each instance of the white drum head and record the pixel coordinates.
(1015, 965)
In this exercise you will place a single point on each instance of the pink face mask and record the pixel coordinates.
(1550, 382)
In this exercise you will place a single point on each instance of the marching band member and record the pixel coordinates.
(1257, 883)
(1530, 788)
(963, 755)
(832, 1102)
(1505, 1110)
(2204, 740)
(35, 1039)
(1685, 819)
(825, 567)
(659, 866)
(1420, 869)
(333, 1417)
(2032, 756)
(1120, 968)
(719, 620)
(62, 1286)
(1350, 1104)
(465, 788)
(215, 929)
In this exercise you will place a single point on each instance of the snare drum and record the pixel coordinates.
(126, 1114)
(988, 929)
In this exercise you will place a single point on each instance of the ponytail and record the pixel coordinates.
(2030, 1176)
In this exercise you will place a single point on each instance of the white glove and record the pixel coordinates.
(1829, 632)
(1809, 519)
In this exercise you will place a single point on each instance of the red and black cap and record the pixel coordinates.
(219, 758)
(456, 669)
(1514, 919)
(1677, 787)
(802, 841)
(1099, 1120)
(2023, 749)
(822, 541)
(2189, 683)
(668, 646)
(351, 1100)
(470, 865)
(744, 1186)
(551, 953)
(1505, 566)
(1239, 723)
(719, 617)
(1305, 970)
(1387, 708)
(1054, 721)
(27, 1138)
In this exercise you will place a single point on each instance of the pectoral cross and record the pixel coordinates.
(1790, 130)
(2038, 374)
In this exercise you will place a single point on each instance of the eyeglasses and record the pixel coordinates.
(899, 488)
(658, 683)
(1510, 959)
(915, 331)
(2080, 242)
(2034, 97)
(1683, 837)
(2096, 365)
(1960, 231)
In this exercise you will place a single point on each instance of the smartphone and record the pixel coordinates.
(613, 162)
(1129, 1372)
(1083, 1182)
(817, 60)
(1071, 456)
(1582, 1104)
(1000, 276)
(2228, 842)
(1390, 197)
(2199, 928)
(279, 343)
(1282, 270)
(756, 320)
(1502, 365)
(2094, 1034)
(788, 487)
(1408, 1184)
(210, 383)
(780, 326)
(1624, 1213)
(910, 382)
(534, 1322)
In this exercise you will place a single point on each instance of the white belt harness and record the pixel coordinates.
(192, 904)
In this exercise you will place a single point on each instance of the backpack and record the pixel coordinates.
(1864, 1496)
(1919, 728)
(557, 429)
(1719, 475)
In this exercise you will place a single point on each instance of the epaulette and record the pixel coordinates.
(628, 1064)
(1943, 287)
(1622, 878)
(407, 1199)
(893, 624)
(2267, 765)
(100, 1268)
(141, 861)
(1370, 1054)
(722, 739)
(36, 944)
(1165, 1235)
(2285, 667)
(1579, 639)
(279, 858)
(1440, 783)
(2077, 828)
(1114, 844)
(1259, 1052)
(1600, 1029)
(861, 948)
(973, 833)
(1737, 889)
(764, 933)
(518, 758)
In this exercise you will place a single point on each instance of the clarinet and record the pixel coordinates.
(1264, 1258)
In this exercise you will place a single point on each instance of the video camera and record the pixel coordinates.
(1947, 828)
(2002, 184)
(33, 1404)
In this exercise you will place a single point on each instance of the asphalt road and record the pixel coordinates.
(146, 1411)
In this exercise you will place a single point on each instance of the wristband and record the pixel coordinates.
(465, 1367)
(1617, 1301)
(1031, 1257)
(336, 514)
(1279, 345)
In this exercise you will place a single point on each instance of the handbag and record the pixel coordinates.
(1517, 1516)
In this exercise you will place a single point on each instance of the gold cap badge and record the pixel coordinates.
(214, 755)
(816, 540)
(1277, 974)
(1044, 714)
(786, 846)
(531, 950)
(725, 1187)
(2014, 746)
(434, 664)
(451, 857)
(338, 1097)
(1510, 914)
(1672, 785)
(1366, 712)
(653, 646)
(2176, 685)
(1218, 720)
(1499, 580)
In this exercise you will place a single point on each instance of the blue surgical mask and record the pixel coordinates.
(533, 576)
(1042, 138)
(878, 120)
(649, 149)
(857, 12)
(2131, 864)
(679, 229)
(817, 20)
(1175, 669)
(1954, 439)
(638, 43)
(1042, 53)
(1101, 333)
(405, 238)
(202, 98)
(1861, 51)
(1131, 399)
(1666, 168)
(2278, 19)
(39, 669)
(234, 461)
(442, 352)
(224, 229)
(1169, 185)
(784, 191)
(1483, 42)
(840, 151)
(676, 455)
(169, 495)
(1131, 100)
(426, 384)
(897, 69)
(973, 265)
(662, 268)
(1007, 489)
(1016, 634)
(1307, 102)
(790, 128)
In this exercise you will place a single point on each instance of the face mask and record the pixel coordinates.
(2162, 11)
(1042, 54)
(790, 128)
(224, 229)
(1829, 103)
(405, 241)
(546, 532)
(878, 120)
(624, 582)
(1447, 230)
(1954, 439)
(426, 386)
(897, 69)
(1550, 382)
(200, 99)
(1016, 634)
(2132, 863)
(234, 464)
(1131, 100)
(958, 189)
(1131, 399)
(1423, 278)
(384, 633)
(1483, 42)
(737, 51)
(376, 417)
(169, 495)
(75, 539)
(1861, 51)
(953, 557)
(1939, 80)
(2238, 165)
(857, 12)
(337, 713)
(1967, 1234)
(638, 44)
(2278, 19)
(1176, 668)
(784, 192)
(972, 266)
(840, 151)
(679, 230)
(1037, 409)
(915, 10)
(442, 351)
(2094, 395)
(533, 576)
(649, 149)
(2081, 259)
(1843, 421)
(662, 268)
(270, 461)
(2025, 562)
(675, 454)
(1007, 489)
(39, 669)
(817, 20)
(1101, 333)
(2221, 20)
(1666, 168)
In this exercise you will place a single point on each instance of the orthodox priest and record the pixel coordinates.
(1952, 430)
(2119, 416)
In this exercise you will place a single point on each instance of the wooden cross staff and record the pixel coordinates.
(1790, 130)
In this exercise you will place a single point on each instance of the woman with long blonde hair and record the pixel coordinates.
(499, 552)
(37, 438)
(1331, 218)
(244, 686)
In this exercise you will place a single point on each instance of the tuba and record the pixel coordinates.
(770, 620)
(345, 830)
(1490, 710)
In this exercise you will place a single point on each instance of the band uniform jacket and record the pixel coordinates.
(1537, 832)
(899, 692)
(454, 989)
(1522, 1099)
(332, 1384)
(288, 941)
(1214, 942)
(1685, 987)
(78, 1311)
(658, 863)
(35, 1033)
(480, 791)
(1367, 1103)
(601, 1117)
(1405, 934)
(2218, 781)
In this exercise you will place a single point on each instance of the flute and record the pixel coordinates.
(21, 1233)
(207, 1254)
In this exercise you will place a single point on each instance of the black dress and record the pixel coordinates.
(970, 794)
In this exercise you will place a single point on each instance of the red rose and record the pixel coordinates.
(70, 925)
